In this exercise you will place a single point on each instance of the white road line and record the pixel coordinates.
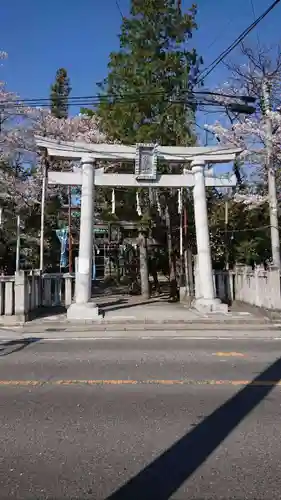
(63, 339)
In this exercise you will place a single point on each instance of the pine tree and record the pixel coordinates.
(143, 98)
(60, 91)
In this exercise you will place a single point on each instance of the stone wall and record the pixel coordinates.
(25, 293)
(259, 287)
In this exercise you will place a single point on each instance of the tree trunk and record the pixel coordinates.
(174, 293)
(143, 266)
(189, 282)
(188, 273)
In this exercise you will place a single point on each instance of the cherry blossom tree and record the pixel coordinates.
(21, 163)
(76, 128)
(15, 135)
(260, 78)
(249, 132)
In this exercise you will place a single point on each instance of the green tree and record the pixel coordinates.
(143, 98)
(60, 91)
(245, 239)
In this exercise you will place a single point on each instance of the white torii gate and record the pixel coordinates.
(145, 157)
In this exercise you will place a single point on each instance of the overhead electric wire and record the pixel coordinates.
(254, 15)
(205, 72)
(136, 97)
(198, 104)
(119, 9)
(220, 35)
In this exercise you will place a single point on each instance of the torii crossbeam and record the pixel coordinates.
(145, 157)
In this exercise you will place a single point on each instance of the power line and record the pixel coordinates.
(200, 100)
(213, 107)
(121, 102)
(119, 9)
(254, 15)
(220, 35)
(204, 73)
(253, 9)
(99, 97)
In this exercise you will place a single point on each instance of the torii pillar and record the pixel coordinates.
(83, 308)
(207, 302)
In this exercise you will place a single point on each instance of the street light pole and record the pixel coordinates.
(226, 235)
(18, 245)
(43, 200)
(180, 196)
(272, 195)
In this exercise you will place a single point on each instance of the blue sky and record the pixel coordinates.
(43, 36)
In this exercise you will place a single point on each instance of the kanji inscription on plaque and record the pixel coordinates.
(146, 161)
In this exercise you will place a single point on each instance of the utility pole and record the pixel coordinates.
(272, 195)
(226, 234)
(43, 200)
(18, 245)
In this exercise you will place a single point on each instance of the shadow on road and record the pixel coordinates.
(12, 346)
(164, 476)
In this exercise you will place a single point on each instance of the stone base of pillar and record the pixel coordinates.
(210, 306)
(182, 293)
(83, 313)
(185, 297)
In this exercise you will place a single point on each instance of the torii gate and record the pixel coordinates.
(145, 157)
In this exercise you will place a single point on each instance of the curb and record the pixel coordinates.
(131, 324)
(119, 337)
(156, 327)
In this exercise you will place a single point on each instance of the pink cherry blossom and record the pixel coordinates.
(20, 161)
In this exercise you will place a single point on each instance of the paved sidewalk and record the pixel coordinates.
(133, 317)
(119, 333)
(134, 311)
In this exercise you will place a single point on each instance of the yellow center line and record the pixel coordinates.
(229, 354)
(34, 383)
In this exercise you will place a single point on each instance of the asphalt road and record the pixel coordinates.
(140, 419)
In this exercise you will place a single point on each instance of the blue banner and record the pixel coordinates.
(62, 235)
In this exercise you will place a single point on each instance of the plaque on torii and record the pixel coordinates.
(146, 162)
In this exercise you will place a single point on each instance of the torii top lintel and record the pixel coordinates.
(117, 152)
